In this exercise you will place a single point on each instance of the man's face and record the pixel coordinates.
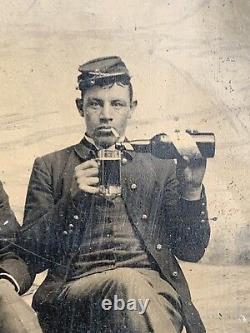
(106, 111)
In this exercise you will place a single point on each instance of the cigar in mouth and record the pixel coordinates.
(114, 132)
(107, 131)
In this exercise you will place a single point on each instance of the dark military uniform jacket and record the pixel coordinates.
(8, 223)
(9, 227)
(167, 225)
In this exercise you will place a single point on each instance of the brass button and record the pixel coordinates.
(158, 247)
(144, 217)
(175, 274)
(124, 160)
(133, 187)
(65, 232)
(76, 217)
(203, 221)
(71, 225)
(203, 213)
(203, 204)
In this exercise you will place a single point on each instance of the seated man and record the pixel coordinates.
(99, 248)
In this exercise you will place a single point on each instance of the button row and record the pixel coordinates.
(203, 213)
(71, 226)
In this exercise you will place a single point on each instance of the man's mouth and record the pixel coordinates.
(103, 130)
(106, 131)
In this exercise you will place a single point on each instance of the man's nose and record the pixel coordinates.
(106, 113)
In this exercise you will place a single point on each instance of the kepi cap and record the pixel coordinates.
(103, 71)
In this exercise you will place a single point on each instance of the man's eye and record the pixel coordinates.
(93, 104)
(118, 104)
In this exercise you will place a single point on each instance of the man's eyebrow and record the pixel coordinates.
(119, 100)
(99, 100)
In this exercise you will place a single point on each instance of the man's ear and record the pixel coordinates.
(79, 105)
(133, 106)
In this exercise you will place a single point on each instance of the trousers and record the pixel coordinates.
(81, 304)
(16, 316)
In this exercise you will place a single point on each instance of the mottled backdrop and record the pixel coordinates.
(191, 69)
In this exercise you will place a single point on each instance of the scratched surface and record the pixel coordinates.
(191, 69)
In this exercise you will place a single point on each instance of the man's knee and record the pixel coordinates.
(123, 282)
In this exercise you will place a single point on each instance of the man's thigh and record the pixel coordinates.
(81, 300)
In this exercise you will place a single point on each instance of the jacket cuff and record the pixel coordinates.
(196, 209)
(16, 271)
(10, 278)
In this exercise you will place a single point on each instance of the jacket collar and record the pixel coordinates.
(85, 150)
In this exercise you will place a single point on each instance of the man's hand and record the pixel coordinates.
(15, 314)
(191, 168)
(4, 286)
(85, 178)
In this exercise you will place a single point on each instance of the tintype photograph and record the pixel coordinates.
(124, 154)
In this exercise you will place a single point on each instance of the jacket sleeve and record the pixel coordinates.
(12, 267)
(188, 222)
(41, 236)
(8, 222)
